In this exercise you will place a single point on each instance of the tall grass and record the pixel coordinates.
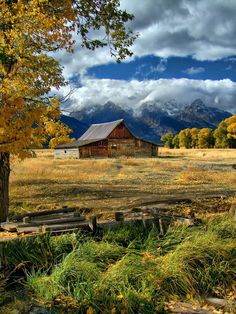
(40, 252)
(136, 272)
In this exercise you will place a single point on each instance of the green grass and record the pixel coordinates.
(40, 252)
(131, 269)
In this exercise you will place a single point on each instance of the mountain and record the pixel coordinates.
(76, 126)
(198, 113)
(151, 120)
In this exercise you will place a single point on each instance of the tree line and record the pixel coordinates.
(224, 136)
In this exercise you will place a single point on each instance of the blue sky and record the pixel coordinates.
(153, 67)
(186, 49)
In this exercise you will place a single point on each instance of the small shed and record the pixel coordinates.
(111, 139)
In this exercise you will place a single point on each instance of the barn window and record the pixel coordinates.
(114, 146)
(65, 151)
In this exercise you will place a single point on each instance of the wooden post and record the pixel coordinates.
(4, 185)
(93, 223)
(232, 210)
(26, 219)
(163, 225)
(119, 216)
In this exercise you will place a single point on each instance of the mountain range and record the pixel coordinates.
(151, 120)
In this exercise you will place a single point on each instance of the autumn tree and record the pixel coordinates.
(167, 138)
(220, 135)
(232, 131)
(205, 138)
(185, 138)
(194, 137)
(225, 133)
(175, 141)
(29, 29)
(50, 131)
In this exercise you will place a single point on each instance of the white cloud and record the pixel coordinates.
(220, 94)
(193, 70)
(203, 29)
(160, 67)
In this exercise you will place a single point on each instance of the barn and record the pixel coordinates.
(111, 139)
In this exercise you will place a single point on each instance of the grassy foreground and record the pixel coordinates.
(129, 269)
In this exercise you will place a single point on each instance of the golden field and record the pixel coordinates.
(104, 184)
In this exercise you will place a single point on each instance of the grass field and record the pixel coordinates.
(130, 269)
(105, 184)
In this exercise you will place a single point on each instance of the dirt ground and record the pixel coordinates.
(101, 185)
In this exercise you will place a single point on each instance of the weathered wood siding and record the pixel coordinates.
(121, 131)
(131, 147)
(98, 149)
(66, 153)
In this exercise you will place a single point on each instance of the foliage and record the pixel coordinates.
(224, 136)
(205, 138)
(194, 137)
(176, 141)
(185, 138)
(167, 138)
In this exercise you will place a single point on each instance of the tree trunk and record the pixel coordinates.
(4, 185)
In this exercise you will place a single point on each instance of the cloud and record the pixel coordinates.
(131, 94)
(160, 67)
(193, 70)
(205, 30)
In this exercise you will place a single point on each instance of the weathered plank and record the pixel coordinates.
(14, 226)
(9, 226)
(30, 229)
(66, 226)
(44, 212)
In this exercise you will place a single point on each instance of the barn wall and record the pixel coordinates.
(131, 147)
(66, 153)
(98, 149)
(121, 131)
(119, 147)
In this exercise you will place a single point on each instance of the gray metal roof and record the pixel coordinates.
(75, 144)
(100, 131)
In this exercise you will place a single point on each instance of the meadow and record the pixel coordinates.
(115, 184)
(128, 269)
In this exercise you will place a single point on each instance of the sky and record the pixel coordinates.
(186, 49)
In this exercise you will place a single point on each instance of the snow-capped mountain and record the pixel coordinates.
(152, 119)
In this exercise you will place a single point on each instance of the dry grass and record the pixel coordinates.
(205, 153)
(102, 184)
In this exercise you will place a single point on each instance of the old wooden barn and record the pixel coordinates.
(111, 139)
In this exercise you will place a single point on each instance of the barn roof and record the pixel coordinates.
(76, 144)
(100, 131)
